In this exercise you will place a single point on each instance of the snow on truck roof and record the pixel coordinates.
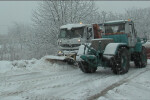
(70, 26)
(116, 21)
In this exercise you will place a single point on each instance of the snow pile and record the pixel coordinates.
(33, 65)
(23, 63)
(43, 64)
(6, 66)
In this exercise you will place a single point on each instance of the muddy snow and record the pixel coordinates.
(42, 80)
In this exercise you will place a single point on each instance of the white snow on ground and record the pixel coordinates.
(44, 80)
(136, 88)
(5, 66)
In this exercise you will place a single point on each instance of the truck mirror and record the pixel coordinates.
(57, 36)
(89, 29)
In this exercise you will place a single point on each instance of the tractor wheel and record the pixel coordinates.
(86, 68)
(121, 61)
(141, 59)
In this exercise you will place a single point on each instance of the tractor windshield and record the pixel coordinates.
(115, 28)
(73, 33)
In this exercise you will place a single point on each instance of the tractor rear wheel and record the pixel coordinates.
(86, 68)
(121, 61)
(141, 59)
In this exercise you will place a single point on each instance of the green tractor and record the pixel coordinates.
(118, 46)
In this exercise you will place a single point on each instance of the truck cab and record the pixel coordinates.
(71, 36)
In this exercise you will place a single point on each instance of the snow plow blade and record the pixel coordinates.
(54, 59)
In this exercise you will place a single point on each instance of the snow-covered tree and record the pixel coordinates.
(20, 41)
(141, 19)
(52, 14)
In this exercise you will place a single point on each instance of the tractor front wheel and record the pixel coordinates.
(121, 61)
(86, 68)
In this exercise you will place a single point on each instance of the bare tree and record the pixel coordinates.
(52, 14)
(141, 18)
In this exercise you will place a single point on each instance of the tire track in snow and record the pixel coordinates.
(52, 76)
(65, 85)
(89, 78)
(116, 84)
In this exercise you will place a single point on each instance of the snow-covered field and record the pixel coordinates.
(42, 80)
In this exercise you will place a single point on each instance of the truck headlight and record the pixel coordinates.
(79, 40)
(59, 52)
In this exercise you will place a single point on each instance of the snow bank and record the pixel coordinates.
(43, 64)
(6, 66)
(32, 66)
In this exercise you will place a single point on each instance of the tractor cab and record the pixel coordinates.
(118, 46)
(122, 31)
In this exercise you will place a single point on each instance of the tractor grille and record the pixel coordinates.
(104, 42)
(70, 45)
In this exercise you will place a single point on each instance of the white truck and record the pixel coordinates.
(70, 38)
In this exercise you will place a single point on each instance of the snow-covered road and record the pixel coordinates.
(46, 81)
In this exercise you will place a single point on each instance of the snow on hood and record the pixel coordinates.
(147, 44)
(70, 26)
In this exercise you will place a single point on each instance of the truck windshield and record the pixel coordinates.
(73, 33)
(115, 28)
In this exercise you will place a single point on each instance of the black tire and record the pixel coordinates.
(121, 61)
(70, 61)
(141, 59)
(86, 68)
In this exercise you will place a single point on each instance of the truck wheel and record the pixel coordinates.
(121, 61)
(141, 59)
(86, 68)
(70, 61)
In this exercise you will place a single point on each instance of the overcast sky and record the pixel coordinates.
(21, 11)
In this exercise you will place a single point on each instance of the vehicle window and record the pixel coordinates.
(115, 28)
(62, 34)
(73, 33)
(78, 32)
